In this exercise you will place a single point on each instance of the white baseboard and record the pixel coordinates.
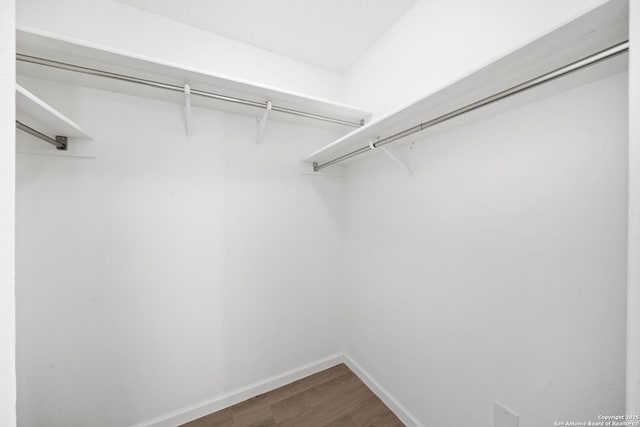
(183, 415)
(392, 403)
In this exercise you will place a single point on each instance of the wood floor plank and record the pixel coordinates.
(334, 397)
(267, 399)
(217, 419)
(330, 409)
(345, 421)
(374, 413)
(299, 406)
(256, 417)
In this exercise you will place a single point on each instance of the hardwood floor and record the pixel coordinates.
(331, 398)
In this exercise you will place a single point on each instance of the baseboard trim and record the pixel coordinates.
(190, 413)
(183, 415)
(392, 403)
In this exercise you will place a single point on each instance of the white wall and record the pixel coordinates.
(633, 275)
(7, 207)
(114, 25)
(169, 269)
(498, 271)
(438, 41)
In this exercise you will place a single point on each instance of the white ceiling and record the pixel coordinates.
(328, 33)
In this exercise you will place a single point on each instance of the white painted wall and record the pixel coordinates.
(633, 272)
(7, 208)
(169, 269)
(114, 25)
(498, 271)
(439, 41)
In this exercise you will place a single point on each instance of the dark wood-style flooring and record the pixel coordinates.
(331, 398)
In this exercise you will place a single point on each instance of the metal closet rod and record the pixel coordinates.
(176, 88)
(60, 142)
(595, 58)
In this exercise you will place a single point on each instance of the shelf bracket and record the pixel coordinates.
(406, 168)
(262, 122)
(187, 108)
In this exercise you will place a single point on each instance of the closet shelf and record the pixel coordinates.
(101, 65)
(591, 32)
(37, 114)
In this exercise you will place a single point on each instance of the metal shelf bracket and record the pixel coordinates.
(406, 168)
(187, 108)
(262, 122)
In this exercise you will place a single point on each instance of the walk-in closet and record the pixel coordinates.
(242, 213)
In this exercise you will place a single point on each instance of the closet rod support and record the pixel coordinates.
(187, 108)
(60, 142)
(262, 122)
(408, 169)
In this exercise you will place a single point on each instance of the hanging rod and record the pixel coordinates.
(175, 88)
(593, 59)
(60, 142)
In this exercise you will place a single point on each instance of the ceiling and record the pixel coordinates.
(327, 33)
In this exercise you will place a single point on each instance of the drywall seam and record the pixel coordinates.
(392, 403)
(225, 400)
